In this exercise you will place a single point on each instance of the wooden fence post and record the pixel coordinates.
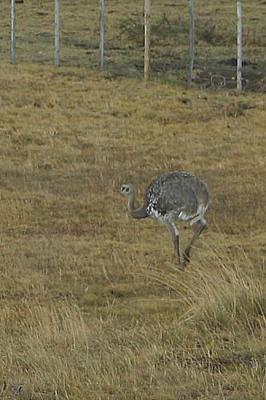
(102, 28)
(13, 31)
(239, 44)
(57, 32)
(191, 40)
(147, 36)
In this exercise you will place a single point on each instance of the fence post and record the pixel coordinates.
(13, 31)
(101, 41)
(57, 32)
(191, 40)
(147, 35)
(239, 44)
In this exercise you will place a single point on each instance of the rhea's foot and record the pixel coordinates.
(186, 258)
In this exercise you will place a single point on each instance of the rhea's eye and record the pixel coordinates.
(127, 189)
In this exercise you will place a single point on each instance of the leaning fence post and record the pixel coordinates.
(57, 32)
(147, 35)
(191, 40)
(13, 31)
(101, 44)
(239, 44)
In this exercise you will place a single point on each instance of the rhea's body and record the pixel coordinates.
(171, 197)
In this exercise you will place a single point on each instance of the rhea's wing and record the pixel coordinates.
(178, 199)
(173, 193)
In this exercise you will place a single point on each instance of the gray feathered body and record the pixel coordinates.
(177, 196)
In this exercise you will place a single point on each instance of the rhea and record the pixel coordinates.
(171, 197)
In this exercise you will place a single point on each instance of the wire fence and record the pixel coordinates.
(215, 32)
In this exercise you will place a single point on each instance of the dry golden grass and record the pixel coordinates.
(92, 305)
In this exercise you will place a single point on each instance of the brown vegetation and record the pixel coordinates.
(91, 304)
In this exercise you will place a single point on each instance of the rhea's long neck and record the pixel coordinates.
(135, 212)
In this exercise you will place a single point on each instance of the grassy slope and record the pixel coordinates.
(91, 303)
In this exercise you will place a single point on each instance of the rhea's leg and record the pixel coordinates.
(198, 227)
(174, 236)
(175, 240)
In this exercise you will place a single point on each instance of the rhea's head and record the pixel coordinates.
(127, 190)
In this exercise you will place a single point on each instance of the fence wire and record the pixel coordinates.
(215, 26)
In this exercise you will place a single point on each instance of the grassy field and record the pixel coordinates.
(92, 304)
